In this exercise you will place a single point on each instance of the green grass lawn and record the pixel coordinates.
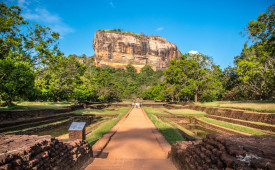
(182, 129)
(37, 105)
(259, 123)
(98, 122)
(259, 106)
(93, 137)
(43, 125)
(109, 111)
(170, 134)
(188, 112)
(233, 126)
(55, 132)
(66, 135)
(141, 101)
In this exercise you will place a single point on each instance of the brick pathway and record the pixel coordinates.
(134, 146)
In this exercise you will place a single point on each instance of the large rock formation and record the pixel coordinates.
(117, 49)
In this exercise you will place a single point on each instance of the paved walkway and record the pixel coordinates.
(134, 146)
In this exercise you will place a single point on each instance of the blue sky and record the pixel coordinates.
(210, 27)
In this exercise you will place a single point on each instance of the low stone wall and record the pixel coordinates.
(35, 119)
(152, 105)
(89, 119)
(18, 125)
(99, 106)
(244, 123)
(168, 106)
(7, 115)
(236, 114)
(40, 129)
(121, 105)
(225, 152)
(219, 129)
(42, 152)
(186, 103)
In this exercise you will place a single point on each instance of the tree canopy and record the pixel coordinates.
(33, 68)
(255, 67)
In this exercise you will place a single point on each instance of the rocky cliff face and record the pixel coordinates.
(117, 49)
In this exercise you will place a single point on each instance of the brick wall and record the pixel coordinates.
(236, 114)
(7, 115)
(225, 152)
(42, 152)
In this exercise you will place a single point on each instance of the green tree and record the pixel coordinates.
(22, 48)
(59, 80)
(255, 66)
(193, 75)
(16, 80)
(153, 93)
(131, 71)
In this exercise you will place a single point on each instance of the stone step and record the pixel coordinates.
(261, 126)
(131, 164)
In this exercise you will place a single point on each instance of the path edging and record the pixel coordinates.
(164, 144)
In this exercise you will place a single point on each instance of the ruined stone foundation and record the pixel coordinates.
(42, 152)
(225, 152)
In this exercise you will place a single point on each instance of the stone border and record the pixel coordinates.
(33, 122)
(42, 152)
(225, 152)
(183, 133)
(186, 136)
(86, 118)
(236, 114)
(220, 128)
(265, 128)
(165, 145)
(153, 105)
(120, 105)
(6, 115)
(168, 106)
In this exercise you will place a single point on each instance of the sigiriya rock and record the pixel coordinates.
(118, 49)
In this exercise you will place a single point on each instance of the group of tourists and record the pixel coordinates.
(136, 103)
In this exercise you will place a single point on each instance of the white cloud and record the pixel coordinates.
(193, 52)
(45, 17)
(112, 4)
(160, 29)
(62, 29)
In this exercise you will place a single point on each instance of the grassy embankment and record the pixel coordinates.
(170, 134)
(232, 126)
(65, 134)
(187, 112)
(106, 111)
(62, 132)
(179, 127)
(141, 101)
(37, 105)
(236, 127)
(94, 136)
(258, 106)
(44, 125)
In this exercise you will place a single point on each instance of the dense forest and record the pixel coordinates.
(32, 67)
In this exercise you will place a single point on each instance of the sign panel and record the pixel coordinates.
(77, 126)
